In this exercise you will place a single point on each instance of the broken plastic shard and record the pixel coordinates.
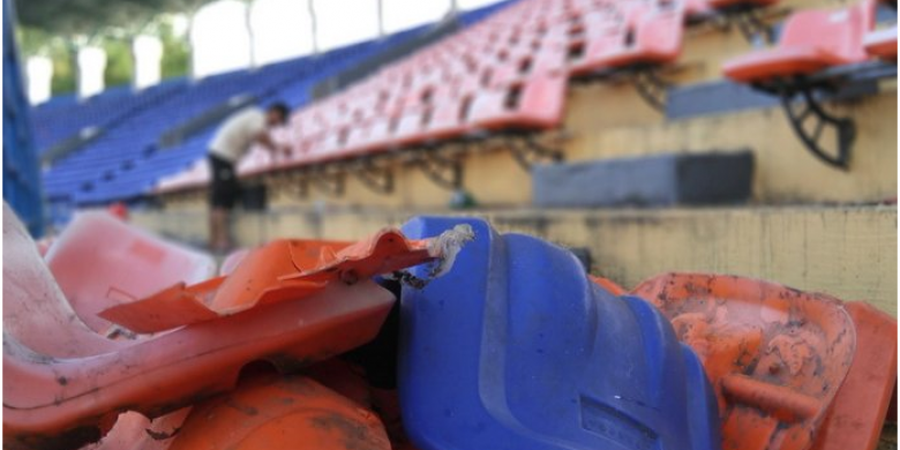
(285, 270)
(446, 246)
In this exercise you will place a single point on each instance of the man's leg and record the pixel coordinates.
(225, 229)
(218, 236)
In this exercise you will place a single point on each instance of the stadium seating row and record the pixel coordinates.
(505, 75)
(126, 161)
(509, 74)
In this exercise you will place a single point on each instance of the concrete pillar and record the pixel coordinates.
(91, 67)
(40, 75)
(148, 52)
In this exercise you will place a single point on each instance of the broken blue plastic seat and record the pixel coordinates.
(516, 349)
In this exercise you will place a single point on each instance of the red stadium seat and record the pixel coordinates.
(411, 126)
(811, 41)
(882, 44)
(448, 118)
(369, 137)
(536, 102)
(643, 36)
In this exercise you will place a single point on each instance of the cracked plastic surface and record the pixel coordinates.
(281, 412)
(281, 270)
(776, 356)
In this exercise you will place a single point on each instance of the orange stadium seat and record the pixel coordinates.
(792, 369)
(65, 383)
(811, 41)
(860, 409)
(281, 412)
(100, 261)
(263, 412)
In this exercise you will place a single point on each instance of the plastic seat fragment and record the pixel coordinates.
(65, 385)
(281, 270)
(290, 412)
(860, 408)
(100, 261)
(776, 356)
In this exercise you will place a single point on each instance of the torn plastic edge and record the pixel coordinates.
(386, 252)
(445, 248)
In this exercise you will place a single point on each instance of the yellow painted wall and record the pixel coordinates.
(848, 252)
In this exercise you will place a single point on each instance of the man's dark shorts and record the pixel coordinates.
(225, 188)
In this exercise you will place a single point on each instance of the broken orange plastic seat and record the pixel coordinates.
(290, 412)
(882, 44)
(812, 40)
(99, 261)
(857, 414)
(776, 356)
(65, 383)
(281, 270)
(264, 412)
(133, 431)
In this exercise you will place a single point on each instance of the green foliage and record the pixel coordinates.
(176, 51)
(63, 74)
(119, 63)
(87, 17)
(116, 43)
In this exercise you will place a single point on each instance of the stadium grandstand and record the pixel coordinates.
(673, 151)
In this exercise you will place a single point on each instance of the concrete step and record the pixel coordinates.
(845, 251)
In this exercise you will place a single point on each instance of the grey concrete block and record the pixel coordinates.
(660, 180)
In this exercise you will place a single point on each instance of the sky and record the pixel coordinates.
(281, 30)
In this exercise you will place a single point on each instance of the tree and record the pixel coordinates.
(59, 29)
(176, 51)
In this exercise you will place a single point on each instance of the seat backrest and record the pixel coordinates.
(35, 312)
(100, 261)
(838, 33)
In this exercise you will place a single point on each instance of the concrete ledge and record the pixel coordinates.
(846, 251)
(708, 178)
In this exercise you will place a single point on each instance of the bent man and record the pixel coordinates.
(232, 140)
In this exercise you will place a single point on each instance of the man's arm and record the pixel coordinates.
(265, 139)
